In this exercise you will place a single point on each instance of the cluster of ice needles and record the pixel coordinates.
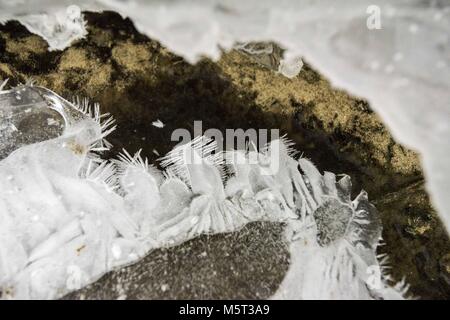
(67, 216)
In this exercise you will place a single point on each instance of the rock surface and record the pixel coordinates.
(138, 81)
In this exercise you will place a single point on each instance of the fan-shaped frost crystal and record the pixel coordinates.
(67, 217)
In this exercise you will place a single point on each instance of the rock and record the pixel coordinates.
(248, 264)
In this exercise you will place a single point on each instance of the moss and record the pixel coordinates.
(5, 70)
(404, 161)
(445, 267)
(100, 79)
(415, 240)
(26, 46)
(131, 57)
(75, 58)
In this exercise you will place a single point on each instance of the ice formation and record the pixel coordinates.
(59, 29)
(402, 67)
(271, 56)
(67, 216)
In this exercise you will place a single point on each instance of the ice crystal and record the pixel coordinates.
(67, 217)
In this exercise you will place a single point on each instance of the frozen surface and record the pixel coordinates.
(67, 217)
(402, 68)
